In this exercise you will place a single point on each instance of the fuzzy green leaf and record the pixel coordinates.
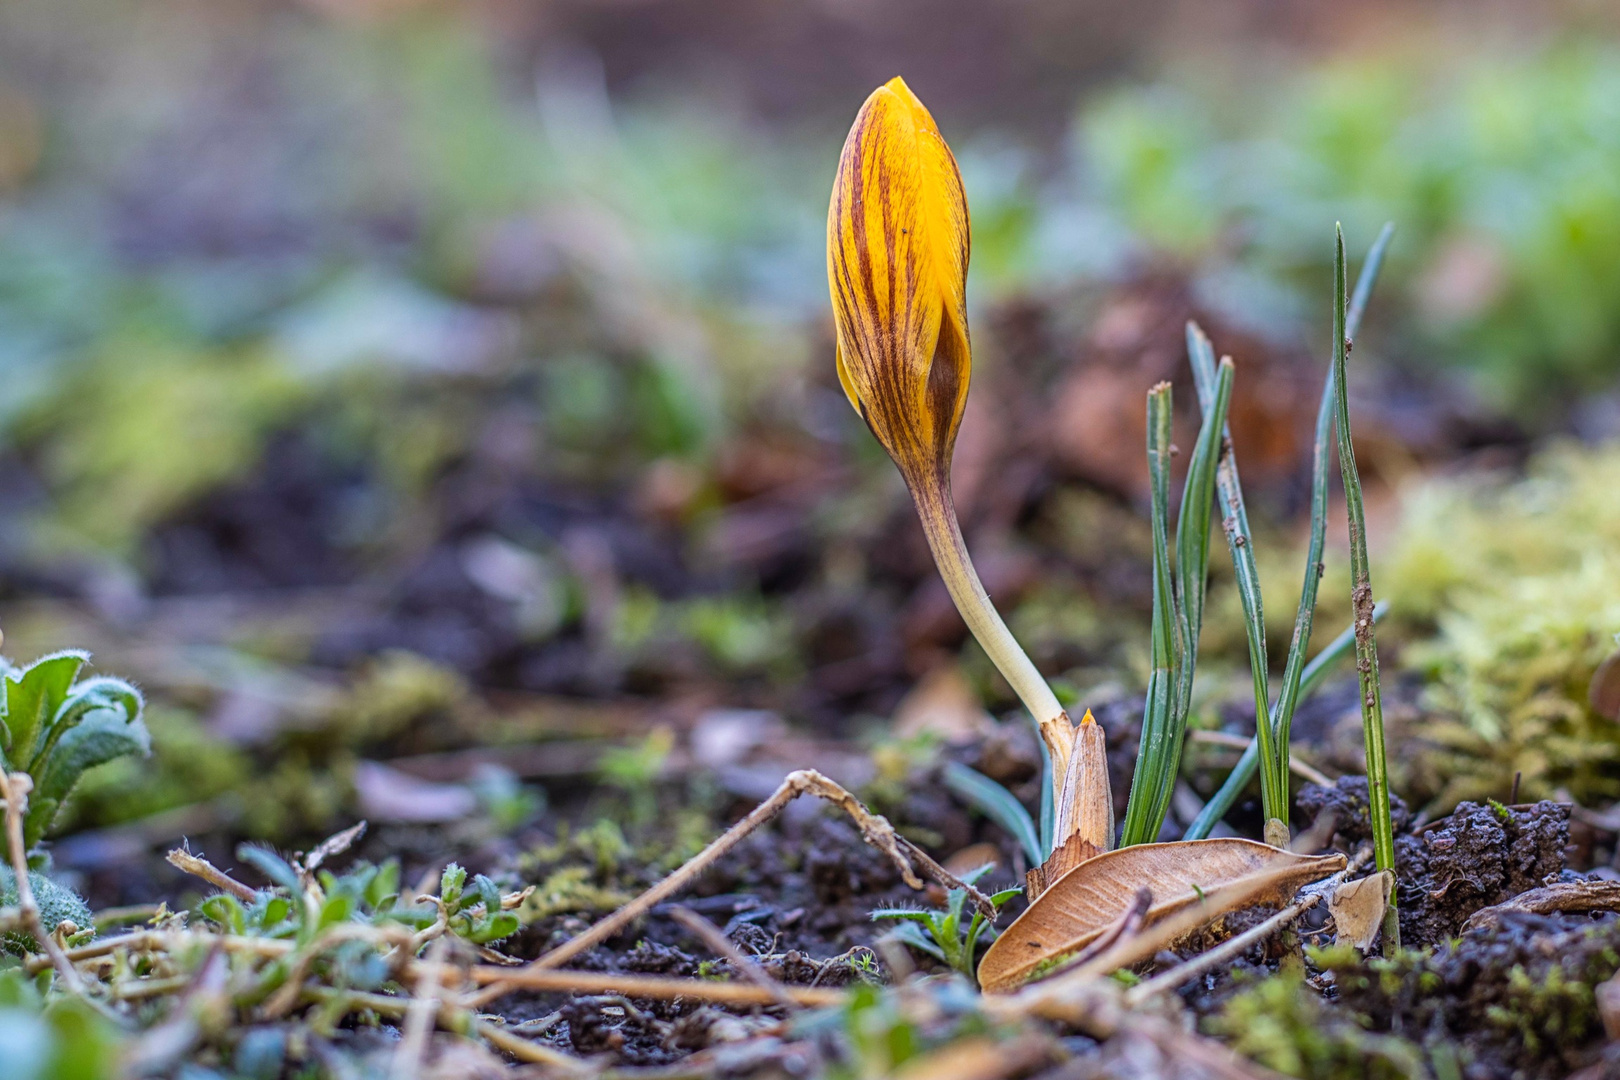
(101, 734)
(32, 697)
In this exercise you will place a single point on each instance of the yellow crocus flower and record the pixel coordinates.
(897, 261)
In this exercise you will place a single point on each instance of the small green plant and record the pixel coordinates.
(303, 901)
(942, 934)
(904, 361)
(53, 727)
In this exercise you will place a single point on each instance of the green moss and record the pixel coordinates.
(110, 450)
(569, 890)
(1516, 586)
(1546, 1012)
(1283, 1024)
(391, 692)
(1522, 999)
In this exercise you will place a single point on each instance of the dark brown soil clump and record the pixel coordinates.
(1479, 856)
(1515, 998)
(1449, 869)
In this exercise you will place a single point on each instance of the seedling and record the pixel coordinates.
(53, 728)
(304, 900)
(942, 933)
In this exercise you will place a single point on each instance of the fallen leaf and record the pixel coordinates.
(972, 857)
(1074, 851)
(1358, 909)
(723, 737)
(1608, 1003)
(387, 794)
(943, 704)
(1081, 904)
(980, 1058)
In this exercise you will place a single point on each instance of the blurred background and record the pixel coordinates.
(427, 399)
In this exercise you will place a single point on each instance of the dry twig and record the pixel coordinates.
(648, 986)
(875, 830)
(1226, 950)
(420, 1014)
(1239, 742)
(14, 790)
(199, 867)
(726, 949)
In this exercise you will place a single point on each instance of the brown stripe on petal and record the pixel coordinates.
(945, 387)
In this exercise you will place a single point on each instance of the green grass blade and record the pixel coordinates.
(1197, 503)
(1140, 826)
(1336, 650)
(997, 804)
(1372, 712)
(1289, 692)
(1315, 672)
(1192, 576)
(1240, 545)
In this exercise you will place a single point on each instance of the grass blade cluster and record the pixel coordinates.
(1178, 604)
(1272, 732)
(1236, 780)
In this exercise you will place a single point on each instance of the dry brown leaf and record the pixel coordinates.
(980, 1058)
(1358, 909)
(943, 704)
(1075, 850)
(1086, 900)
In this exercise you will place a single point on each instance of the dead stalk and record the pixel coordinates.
(14, 790)
(524, 1050)
(419, 1015)
(726, 949)
(1226, 950)
(875, 830)
(647, 986)
(147, 941)
(449, 1016)
(1239, 742)
(199, 867)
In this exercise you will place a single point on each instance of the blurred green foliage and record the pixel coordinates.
(62, 1039)
(187, 765)
(388, 229)
(1502, 171)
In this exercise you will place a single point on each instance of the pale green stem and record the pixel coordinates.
(938, 513)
